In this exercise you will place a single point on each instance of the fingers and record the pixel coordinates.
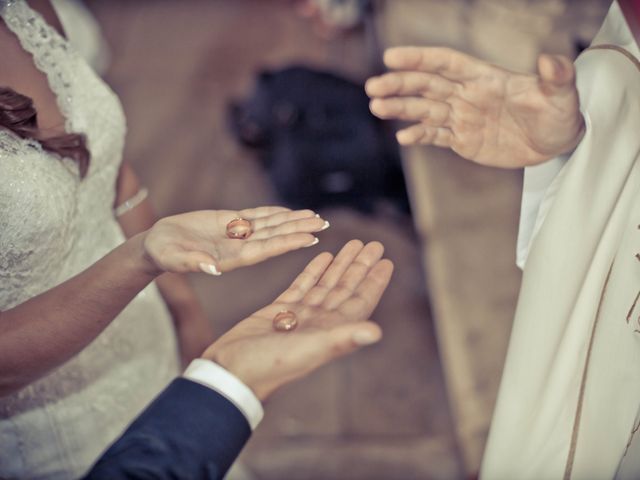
(366, 297)
(337, 268)
(412, 109)
(347, 338)
(260, 212)
(270, 222)
(354, 275)
(421, 134)
(323, 346)
(557, 74)
(192, 262)
(259, 250)
(427, 85)
(446, 62)
(280, 218)
(307, 279)
(305, 225)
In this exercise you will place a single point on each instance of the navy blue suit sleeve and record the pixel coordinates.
(188, 432)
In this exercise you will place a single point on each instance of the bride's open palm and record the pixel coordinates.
(485, 113)
(198, 241)
(332, 300)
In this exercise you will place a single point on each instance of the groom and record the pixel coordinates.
(199, 424)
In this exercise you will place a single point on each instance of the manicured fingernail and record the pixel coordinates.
(325, 226)
(210, 269)
(317, 215)
(364, 337)
(315, 242)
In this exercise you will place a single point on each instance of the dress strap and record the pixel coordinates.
(51, 52)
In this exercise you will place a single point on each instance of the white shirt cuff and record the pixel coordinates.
(212, 375)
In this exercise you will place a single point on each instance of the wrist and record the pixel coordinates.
(140, 257)
(262, 389)
(217, 378)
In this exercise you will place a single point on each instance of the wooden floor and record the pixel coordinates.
(381, 414)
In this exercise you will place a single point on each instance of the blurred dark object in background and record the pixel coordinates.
(319, 142)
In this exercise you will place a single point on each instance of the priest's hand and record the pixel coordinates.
(331, 300)
(198, 241)
(485, 113)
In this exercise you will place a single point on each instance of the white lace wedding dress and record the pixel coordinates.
(53, 224)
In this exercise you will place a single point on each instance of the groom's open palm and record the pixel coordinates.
(332, 298)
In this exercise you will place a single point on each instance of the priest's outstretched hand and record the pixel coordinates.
(485, 113)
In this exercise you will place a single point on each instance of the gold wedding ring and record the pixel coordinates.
(239, 228)
(285, 321)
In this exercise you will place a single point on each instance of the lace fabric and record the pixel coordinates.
(52, 226)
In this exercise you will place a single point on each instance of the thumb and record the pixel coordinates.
(194, 262)
(557, 74)
(351, 336)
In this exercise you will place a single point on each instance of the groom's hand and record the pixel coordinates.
(332, 299)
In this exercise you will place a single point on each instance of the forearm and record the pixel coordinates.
(47, 330)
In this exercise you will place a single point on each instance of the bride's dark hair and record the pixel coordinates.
(18, 115)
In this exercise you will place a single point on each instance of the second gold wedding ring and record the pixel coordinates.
(285, 321)
(239, 228)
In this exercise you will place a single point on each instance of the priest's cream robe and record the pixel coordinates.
(569, 400)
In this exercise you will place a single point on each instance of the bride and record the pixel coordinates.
(86, 340)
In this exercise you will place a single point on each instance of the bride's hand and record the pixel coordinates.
(332, 300)
(198, 241)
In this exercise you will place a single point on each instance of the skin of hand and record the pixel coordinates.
(332, 298)
(485, 113)
(193, 329)
(197, 241)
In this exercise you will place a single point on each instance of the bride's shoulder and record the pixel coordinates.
(13, 57)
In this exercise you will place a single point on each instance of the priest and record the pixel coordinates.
(569, 401)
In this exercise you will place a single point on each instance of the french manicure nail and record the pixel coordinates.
(364, 337)
(317, 215)
(210, 269)
(325, 226)
(315, 242)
